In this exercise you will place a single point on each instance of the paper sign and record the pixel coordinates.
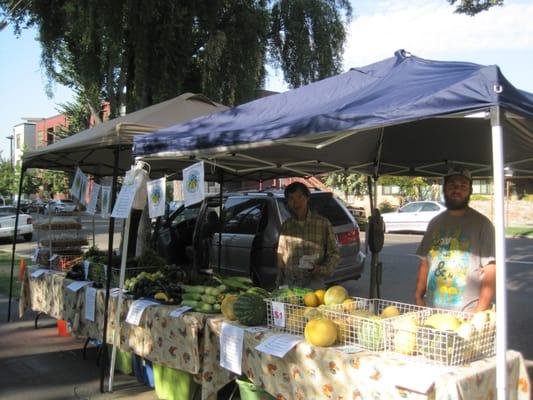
(86, 264)
(178, 312)
(136, 311)
(156, 197)
(35, 255)
(349, 349)
(93, 199)
(256, 329)
(115, 292)
(106, 200)
(278, 314)
(53, 258)
(124, 202)
(193, 184)
(37, 273)
(77, 285)
(79, 177)
(278, 344)
(413, 377)
(231, 341)
(90, 303)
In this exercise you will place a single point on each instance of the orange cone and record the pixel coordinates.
(22, 269)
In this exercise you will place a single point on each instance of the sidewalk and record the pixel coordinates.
(39, 364)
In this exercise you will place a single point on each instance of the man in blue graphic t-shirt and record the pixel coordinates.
(457, 268)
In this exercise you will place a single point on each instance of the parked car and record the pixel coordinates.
(37, 207)
(8, 215)
(412, 217)
(56, 206)
(359, 214)
(248, 234)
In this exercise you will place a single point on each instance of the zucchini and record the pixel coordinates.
(191, 296)
(207, 298)
(190, 303)
(204, 308)
(194, 288)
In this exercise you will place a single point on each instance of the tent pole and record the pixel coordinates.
(14, 245)
(221, 182)
(501, 296)
(111, 233)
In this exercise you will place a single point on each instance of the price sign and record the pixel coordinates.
(278, 314)
(178, 312)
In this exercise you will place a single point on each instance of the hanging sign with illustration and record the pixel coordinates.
(156, 197)
(193, 184)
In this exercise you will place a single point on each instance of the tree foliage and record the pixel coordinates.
(349, 184)
(473, 7)
(412, 188)
(137, 53)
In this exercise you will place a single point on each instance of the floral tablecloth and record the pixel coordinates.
(160, 338)
(308, 372)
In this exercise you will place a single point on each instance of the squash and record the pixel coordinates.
(335, 295)
(227, 307)
(250, 309)
(320, 332)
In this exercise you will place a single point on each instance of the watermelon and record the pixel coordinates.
(250, 309)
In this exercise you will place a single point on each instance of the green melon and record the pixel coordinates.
(250, 309)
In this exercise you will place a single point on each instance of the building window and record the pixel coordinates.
(49, 136)
(390, 189)
(17, 141)
(481, 186)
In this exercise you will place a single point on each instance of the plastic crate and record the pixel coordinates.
(130, 272)
(407, 337)
(173, 384)
(249, 391)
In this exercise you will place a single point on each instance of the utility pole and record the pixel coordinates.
(11, 137)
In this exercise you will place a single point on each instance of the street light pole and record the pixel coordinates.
(10, 137)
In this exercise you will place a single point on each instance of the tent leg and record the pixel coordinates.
(14, 247)
(111, 233)
(501, 295)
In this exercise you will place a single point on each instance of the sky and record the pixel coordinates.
(426, 28)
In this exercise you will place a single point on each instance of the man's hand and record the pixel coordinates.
(421, 281)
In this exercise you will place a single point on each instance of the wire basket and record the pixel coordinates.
(64, 262)
(365, 322)
(358, 321)
(130, 273)
(470, 337)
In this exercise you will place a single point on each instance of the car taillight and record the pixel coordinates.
(348, 237)
(29, 221)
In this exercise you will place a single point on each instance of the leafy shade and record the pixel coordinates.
(136, 53)
(473, 7)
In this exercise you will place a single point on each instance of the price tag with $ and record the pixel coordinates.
(278, 314)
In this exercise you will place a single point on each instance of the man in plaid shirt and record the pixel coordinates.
(307, 249)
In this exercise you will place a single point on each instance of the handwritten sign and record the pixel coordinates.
(38, 272)
(278, 345)
(231, 341)
(136, 311)
(178, 312)
(86, 265)
(77, 285)
(278, 314)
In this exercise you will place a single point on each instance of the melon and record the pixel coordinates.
(320, 332)
(335, 295)
(227, 307)
(250, 309)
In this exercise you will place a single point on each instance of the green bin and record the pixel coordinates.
(249, 391)
(173, 384)
(123, 360)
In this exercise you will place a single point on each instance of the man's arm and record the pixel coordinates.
(332, 256)
(488, 287)
(421, 281)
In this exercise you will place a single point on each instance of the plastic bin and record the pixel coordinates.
(249, 391)
(173, 384)
(123, 360)
(63, 328)
(143, 371)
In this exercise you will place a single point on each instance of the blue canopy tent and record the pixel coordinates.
(403, 115)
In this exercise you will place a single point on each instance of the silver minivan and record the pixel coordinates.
(244, 241)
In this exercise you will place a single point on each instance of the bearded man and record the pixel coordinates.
(457, 269)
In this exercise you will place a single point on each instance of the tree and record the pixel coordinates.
(349, 184)
(136, 53)
(473, 7)
(411, 188)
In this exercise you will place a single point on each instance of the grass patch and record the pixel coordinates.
(519, 231)
(5, 273)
